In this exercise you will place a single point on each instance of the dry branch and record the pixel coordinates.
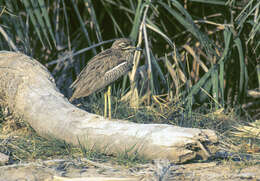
(29, 91)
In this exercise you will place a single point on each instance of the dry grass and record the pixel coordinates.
(199, 56)
(21, 143)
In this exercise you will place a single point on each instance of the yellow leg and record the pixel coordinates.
(105, 106)
(109, 101)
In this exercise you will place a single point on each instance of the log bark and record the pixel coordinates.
(29, 91)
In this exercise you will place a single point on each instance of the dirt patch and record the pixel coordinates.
(158, 170)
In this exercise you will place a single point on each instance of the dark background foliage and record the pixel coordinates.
(199, 51)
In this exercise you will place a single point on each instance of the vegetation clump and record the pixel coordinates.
(199, 66)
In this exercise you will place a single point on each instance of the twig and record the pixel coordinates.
(78, 52)
(8, 39)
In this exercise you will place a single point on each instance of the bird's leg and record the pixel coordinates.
(105, 106)
(109, 101)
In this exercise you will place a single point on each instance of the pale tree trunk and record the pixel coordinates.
(29, 91)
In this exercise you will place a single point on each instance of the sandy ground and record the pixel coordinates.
(158, 170)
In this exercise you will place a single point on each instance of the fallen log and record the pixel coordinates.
(29, 91)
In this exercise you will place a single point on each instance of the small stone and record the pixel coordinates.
(247, 175)
(3, 159)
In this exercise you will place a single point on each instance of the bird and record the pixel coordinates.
(103, 69)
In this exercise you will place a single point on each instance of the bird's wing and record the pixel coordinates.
(117, 71)
(116, 66)
(99, 65)
(110, 58)
(93, 67)
(101, 70)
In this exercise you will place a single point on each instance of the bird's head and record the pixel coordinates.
(124, 44)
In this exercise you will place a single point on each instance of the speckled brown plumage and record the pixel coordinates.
(105, 68)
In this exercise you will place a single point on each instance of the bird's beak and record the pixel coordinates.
(138, 49)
